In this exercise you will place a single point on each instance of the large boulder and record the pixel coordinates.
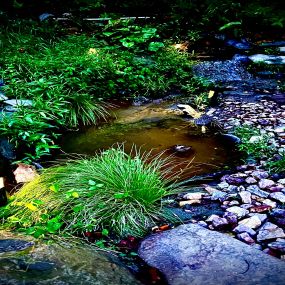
(24, 261)
(191, 254)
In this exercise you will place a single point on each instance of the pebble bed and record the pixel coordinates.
(252, 199)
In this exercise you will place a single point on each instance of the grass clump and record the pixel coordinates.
(111, 191)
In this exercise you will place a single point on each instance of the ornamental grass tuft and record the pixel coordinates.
(114, 191)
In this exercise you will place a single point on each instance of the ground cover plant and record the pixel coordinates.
(110, 192)
(254, 143)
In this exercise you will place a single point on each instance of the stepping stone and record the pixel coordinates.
(191, 254)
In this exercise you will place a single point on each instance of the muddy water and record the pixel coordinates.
(158, 128)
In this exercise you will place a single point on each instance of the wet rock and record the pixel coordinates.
(278, 196)
(194, 196)
(240, 212)
(60, 264)
(223, 185)
(278, 245)
(218, 195)
(266, 183)
(254, 189)
(241, 45)
(252, 222)
(244, 229)
(190, 254)
(245, 197)
(7, 245)
(189, 202)
(220, 223)
(182, 150)
(269, 231)
(245, 237)
(268, 59)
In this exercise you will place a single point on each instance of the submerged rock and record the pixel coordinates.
(191, 254)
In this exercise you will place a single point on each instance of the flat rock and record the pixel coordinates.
(252, 222)
(266, 183)
(278, 196)
(59, 264)
(240, 212)
(244, 229)
(269, 231)
(191, 254)
(245, 197)
(278, 245)
(254, 189)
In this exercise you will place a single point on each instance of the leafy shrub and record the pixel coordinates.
(112, 191)
(253, 142)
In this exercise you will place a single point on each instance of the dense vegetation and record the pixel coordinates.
(68, 77)
(70, 71)
(111, 192)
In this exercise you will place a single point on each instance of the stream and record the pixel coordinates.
(159, 128)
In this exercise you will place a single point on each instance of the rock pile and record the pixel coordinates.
(253, 203)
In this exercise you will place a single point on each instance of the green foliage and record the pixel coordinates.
(253, 142)
(277, 166)
(112, 192)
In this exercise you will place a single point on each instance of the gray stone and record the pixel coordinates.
(266, 183)
(259, 174)
(218, 195)
(278, 196)
(244, 229)
(190, 254)
(220, 223)
(269, 231)
(240, 212)
(223, 185)
(254, 189)
(193, 196)
(252, 222)
(250, 180)
(245, 237)
(245, 197)
(278, 245)
(261, 217)
(61, 264)
(270, 203)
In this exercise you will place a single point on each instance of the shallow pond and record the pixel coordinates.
(155, 127)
